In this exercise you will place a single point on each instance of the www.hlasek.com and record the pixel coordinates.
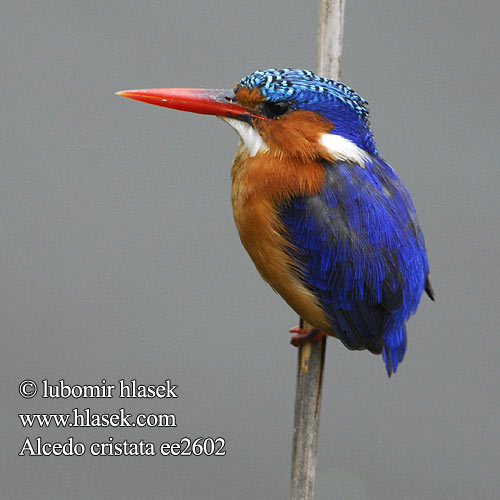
(85, 418)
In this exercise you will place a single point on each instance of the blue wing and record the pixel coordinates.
(359, 249)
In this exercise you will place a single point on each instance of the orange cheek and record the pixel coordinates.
(249, 98)
(296, 134)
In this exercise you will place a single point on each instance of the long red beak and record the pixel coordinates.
(204, 101)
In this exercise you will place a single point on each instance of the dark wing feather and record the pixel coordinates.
(358, 248)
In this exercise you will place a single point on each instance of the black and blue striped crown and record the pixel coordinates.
(298, 84)
(304, 89)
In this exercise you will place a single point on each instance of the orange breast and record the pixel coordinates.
(260, 183)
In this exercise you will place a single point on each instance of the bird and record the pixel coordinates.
(325, 219)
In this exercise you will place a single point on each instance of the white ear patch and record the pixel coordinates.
(344, 149)
(251, 138)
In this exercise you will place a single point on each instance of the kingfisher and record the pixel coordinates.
(327, 222)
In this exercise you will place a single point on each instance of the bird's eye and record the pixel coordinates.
(274, 109)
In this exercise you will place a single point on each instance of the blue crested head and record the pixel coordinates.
(303, 89)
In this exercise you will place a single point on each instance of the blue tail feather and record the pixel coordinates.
(394, 349)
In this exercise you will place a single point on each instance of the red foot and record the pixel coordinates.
(304, 336)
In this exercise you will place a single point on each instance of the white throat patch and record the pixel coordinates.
(344, 149)
(252, 140)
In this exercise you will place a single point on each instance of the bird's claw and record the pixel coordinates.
(303, 336)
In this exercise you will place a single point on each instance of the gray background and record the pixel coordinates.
(119, 257)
